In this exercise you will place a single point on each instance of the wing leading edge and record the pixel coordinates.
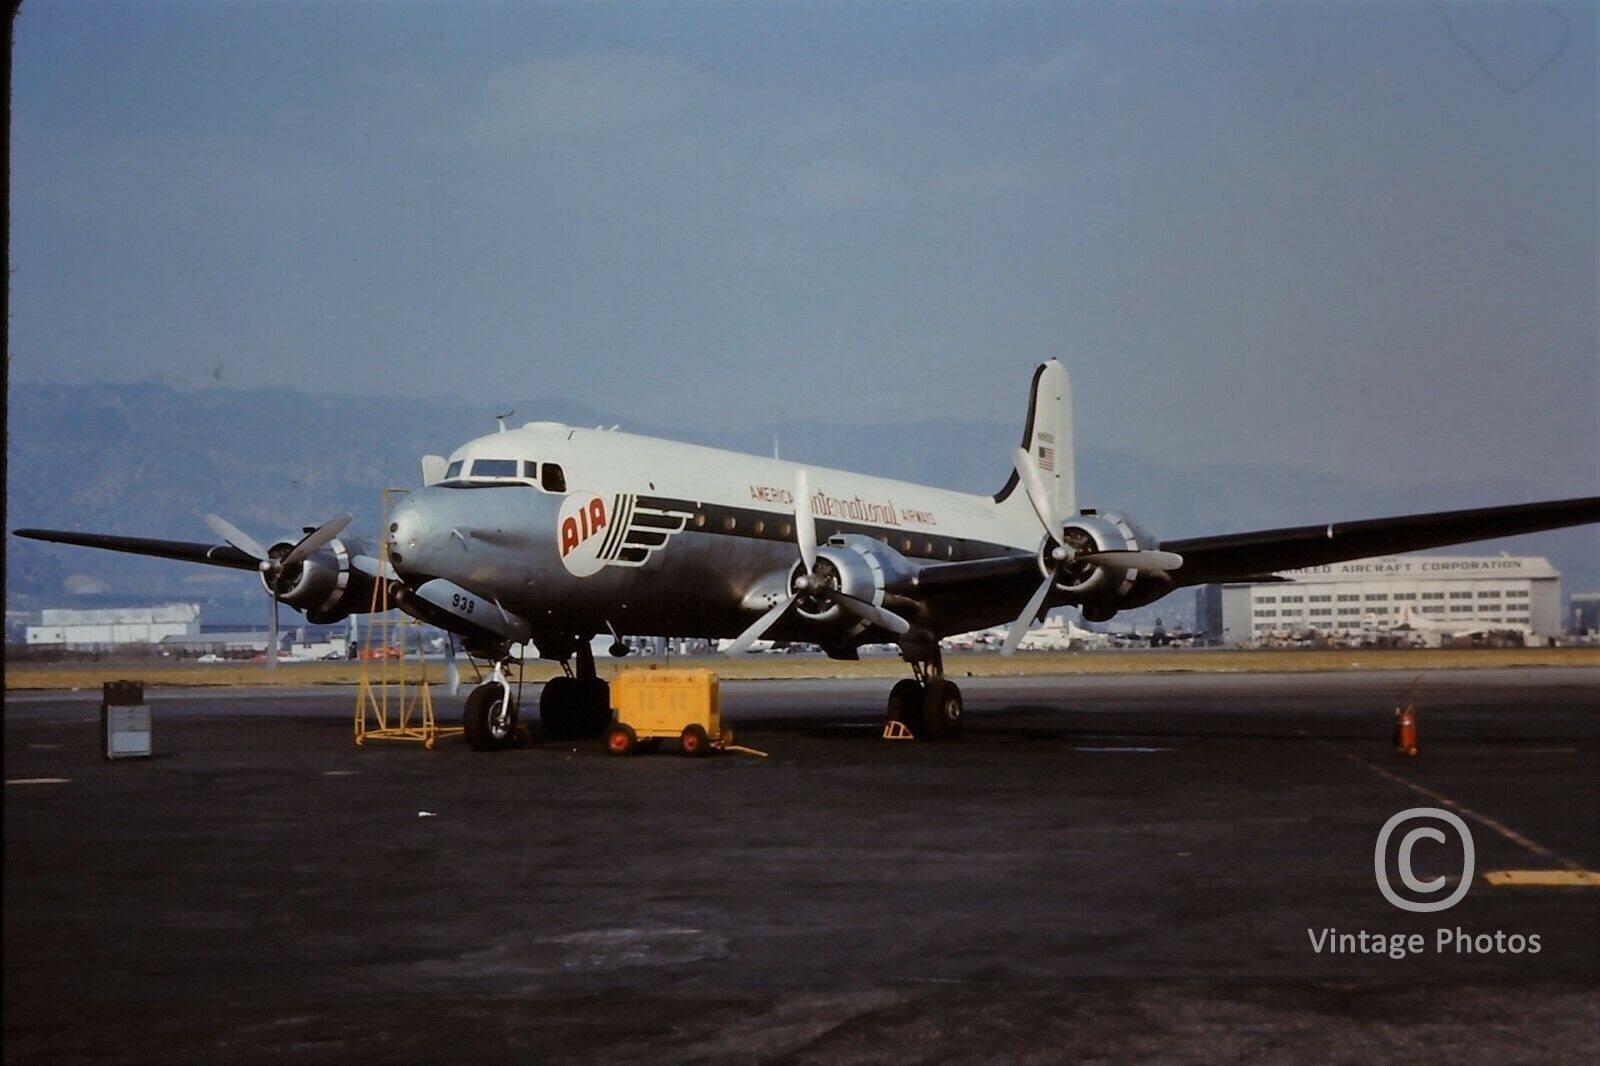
(1238, 556)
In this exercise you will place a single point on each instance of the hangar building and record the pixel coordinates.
(115, 625)
(1478, 592)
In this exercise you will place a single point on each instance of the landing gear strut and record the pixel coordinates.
(577, 705)
(490, 716)
(929, 706)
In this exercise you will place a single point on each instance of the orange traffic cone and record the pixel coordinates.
(1405, 730)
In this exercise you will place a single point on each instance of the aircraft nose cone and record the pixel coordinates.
(413, 535)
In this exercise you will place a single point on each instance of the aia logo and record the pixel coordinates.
(593, 532)
(581, 532)
(575, 529)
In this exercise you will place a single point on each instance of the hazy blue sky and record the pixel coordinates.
(1349, 238)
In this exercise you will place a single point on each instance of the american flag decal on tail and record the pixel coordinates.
(1047, 458)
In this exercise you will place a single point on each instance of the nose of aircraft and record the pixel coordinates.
(416, 526)
(458, 533)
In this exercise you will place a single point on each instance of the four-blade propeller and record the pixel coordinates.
(275, 566)
(812, 583)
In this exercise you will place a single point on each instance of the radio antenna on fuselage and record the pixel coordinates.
(502, 419)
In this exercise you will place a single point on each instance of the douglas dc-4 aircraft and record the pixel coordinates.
(547, 535)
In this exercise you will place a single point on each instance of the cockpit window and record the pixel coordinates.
(554, 479)
(454, 471)
(530, 469)
(494, 468)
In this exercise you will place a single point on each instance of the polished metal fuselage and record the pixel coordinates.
(654, 537)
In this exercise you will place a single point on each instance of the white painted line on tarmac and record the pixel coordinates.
(1482, 819)
(37, 780)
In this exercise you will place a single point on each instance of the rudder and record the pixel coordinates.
(1047, 437)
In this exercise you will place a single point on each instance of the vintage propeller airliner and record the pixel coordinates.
(545, 536)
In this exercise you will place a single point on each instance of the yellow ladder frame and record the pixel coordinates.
(413, 718)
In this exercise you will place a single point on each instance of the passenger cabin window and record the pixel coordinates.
(554, 480)
(494, 468)
(454, 470)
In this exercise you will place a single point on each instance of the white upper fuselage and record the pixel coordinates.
(608, 462)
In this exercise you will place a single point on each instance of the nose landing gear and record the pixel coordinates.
(490, 716)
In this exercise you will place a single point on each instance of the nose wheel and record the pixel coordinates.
(490, 718)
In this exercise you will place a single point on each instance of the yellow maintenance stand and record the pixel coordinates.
(656, 705)
(393, 700)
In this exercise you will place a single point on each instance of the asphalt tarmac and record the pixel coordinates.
(1102, 869)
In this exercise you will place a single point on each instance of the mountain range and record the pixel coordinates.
(151, 460)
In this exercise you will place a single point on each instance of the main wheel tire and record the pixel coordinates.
(621, 739)
(593, 703)
(941, 711)
(556, 704)
(489, 726)
(905, 704)
(694, 740)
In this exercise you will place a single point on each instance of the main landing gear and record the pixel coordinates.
(929, 705)
(575, 706)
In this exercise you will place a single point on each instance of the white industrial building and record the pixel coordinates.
(1476, 594)
(114, 625)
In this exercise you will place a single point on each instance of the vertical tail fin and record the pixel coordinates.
(1048, 439)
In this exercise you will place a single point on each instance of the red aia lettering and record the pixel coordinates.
(592, 519)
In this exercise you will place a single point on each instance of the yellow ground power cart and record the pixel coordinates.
(656, 705)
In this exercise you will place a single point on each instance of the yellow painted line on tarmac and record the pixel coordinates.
(37, 780)
(1543, 878)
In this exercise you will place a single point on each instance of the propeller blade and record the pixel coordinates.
(743, 641)
(1146, 562)
(272, 634)
(373, 567)
(878, 616)
(1019, 628)
(1038, 495)
(315, 540)
(805, 523)
(237, 537)
(452, 673)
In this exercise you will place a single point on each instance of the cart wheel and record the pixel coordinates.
(694, 740)
(621, 739)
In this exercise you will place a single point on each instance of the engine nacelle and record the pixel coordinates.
(325, 586)
(857, 566)
(1101, 590)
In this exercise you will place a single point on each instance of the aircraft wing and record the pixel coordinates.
(1247, 556)
(186, 551)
